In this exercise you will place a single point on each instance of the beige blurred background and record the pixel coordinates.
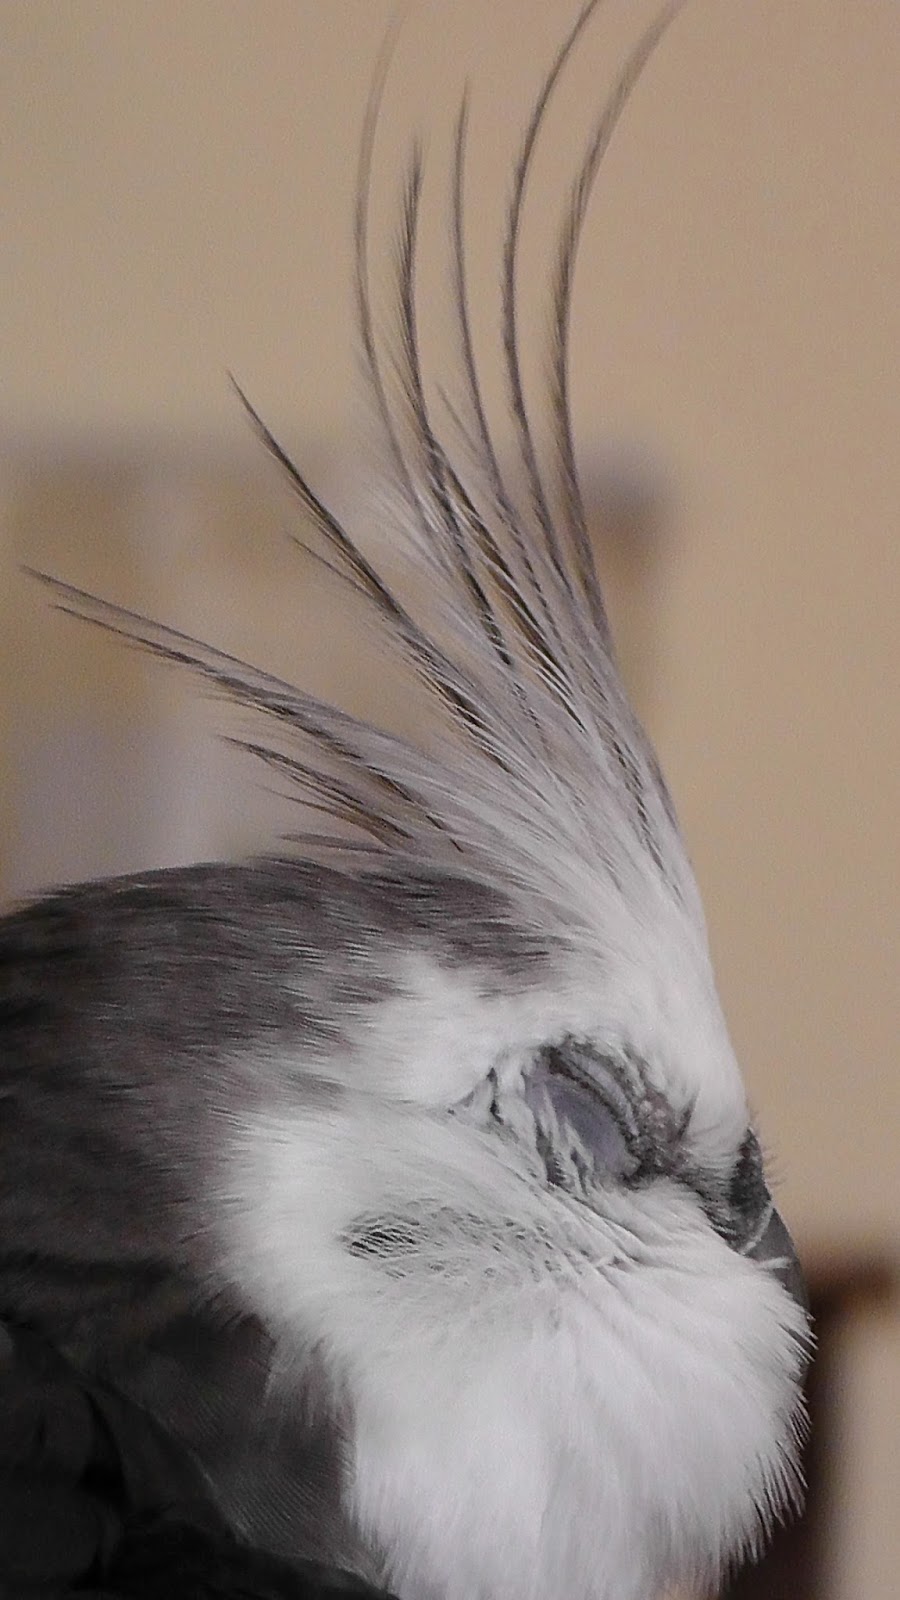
(177, 187)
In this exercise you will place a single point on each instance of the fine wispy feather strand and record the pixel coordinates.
(536, 768)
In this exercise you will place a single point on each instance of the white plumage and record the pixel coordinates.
(543, 1401)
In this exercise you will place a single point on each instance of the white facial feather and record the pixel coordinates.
(543, 1400)
(436, 1038)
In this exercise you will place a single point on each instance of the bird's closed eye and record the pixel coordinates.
(585, 1121)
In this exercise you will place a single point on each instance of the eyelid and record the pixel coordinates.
(596, 1125)
(595, 1074)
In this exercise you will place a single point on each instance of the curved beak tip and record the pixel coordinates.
(775, 1249)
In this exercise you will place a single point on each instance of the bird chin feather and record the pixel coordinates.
(639, 1337)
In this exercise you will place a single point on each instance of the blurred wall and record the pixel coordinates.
(177, 199)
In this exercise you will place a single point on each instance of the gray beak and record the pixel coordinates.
(774, 1247)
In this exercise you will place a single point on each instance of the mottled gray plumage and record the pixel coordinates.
(406, 1183)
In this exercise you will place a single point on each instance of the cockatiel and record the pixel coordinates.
(388, 1213)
